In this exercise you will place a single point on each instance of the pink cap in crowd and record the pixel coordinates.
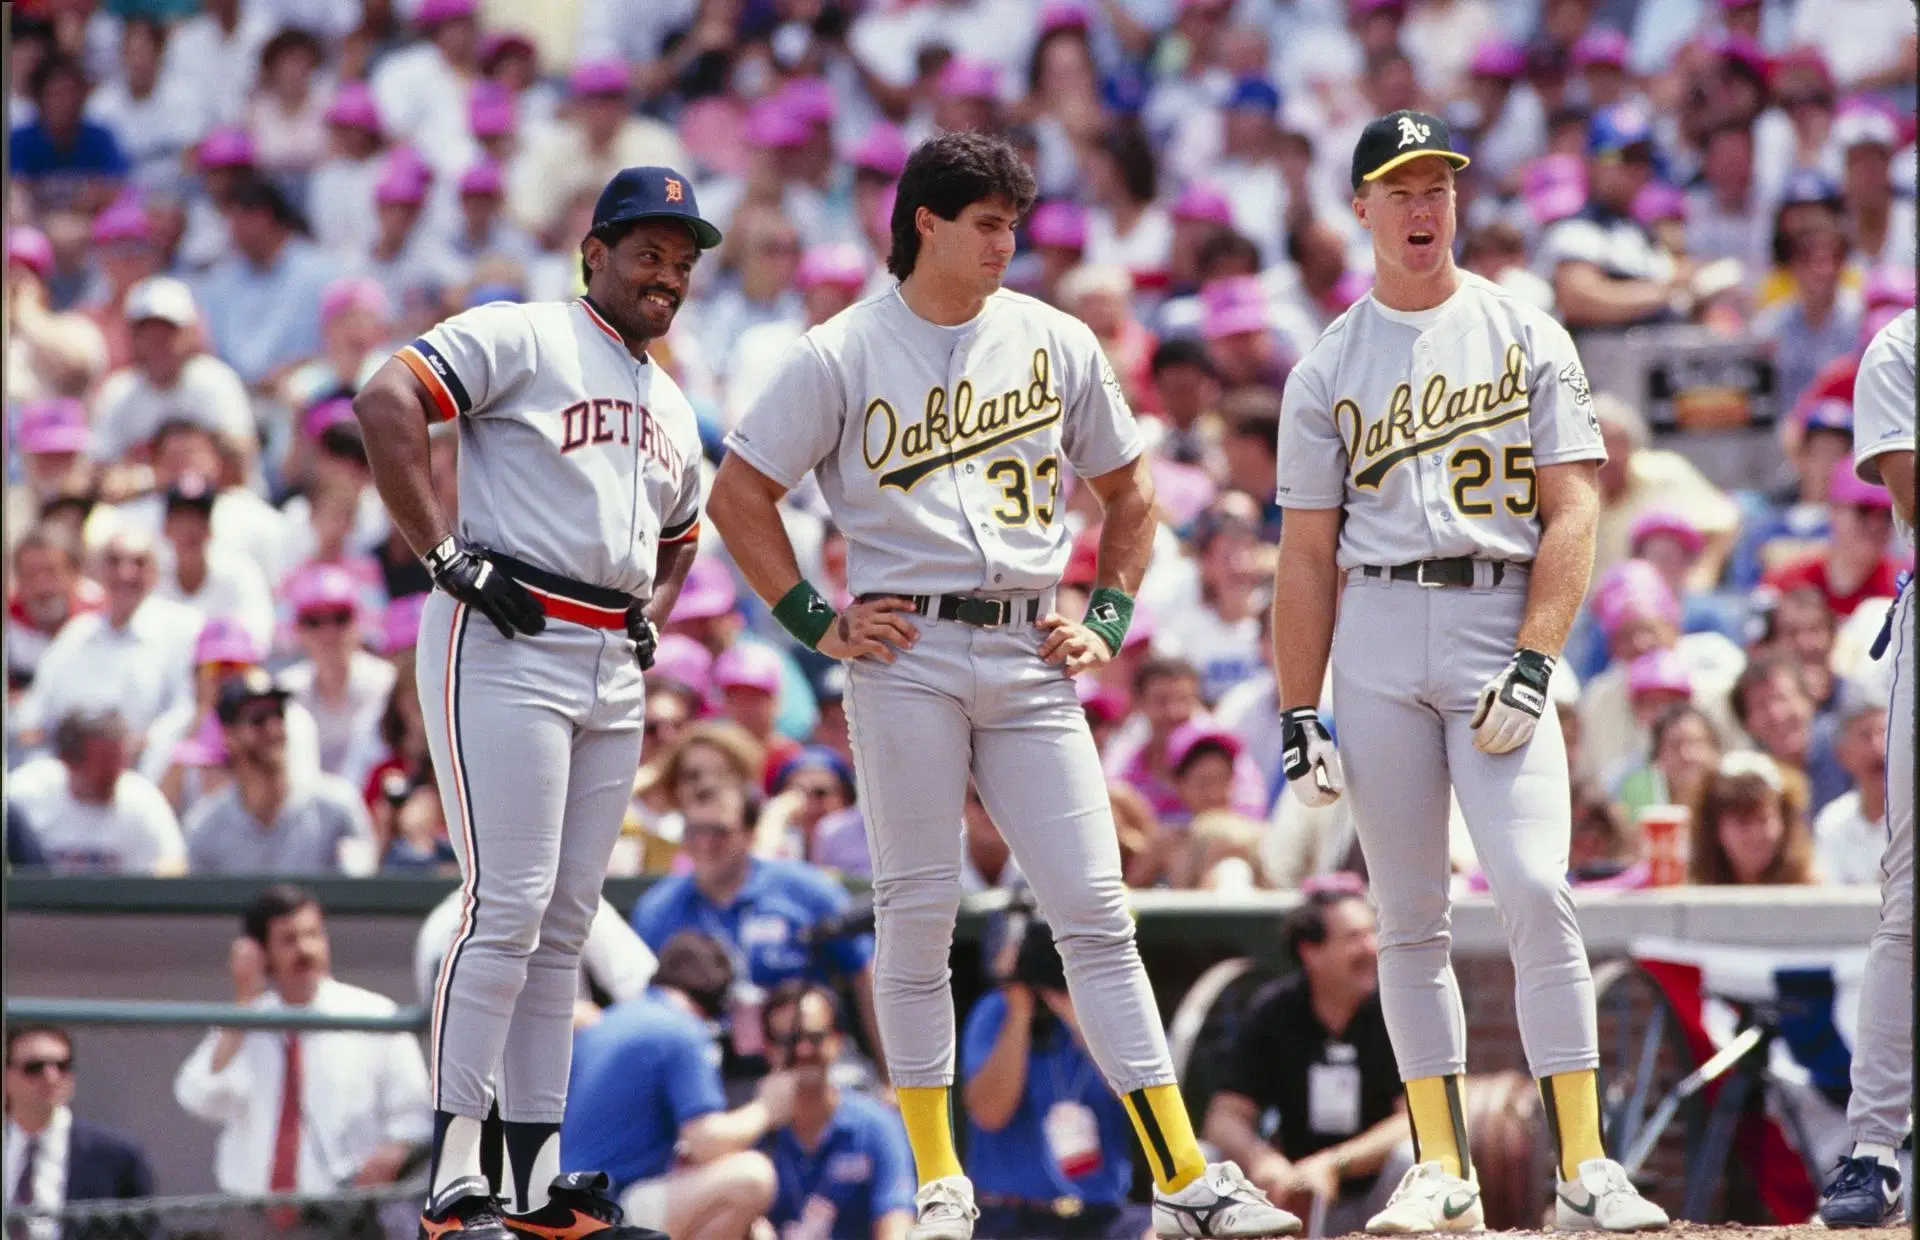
(323, 587)
(1499, 58)
(29, 247)
(1105, 705)
(708, 592)
(1666, 521)
(1659, 671)
(1059, 223)
(1190, 736)
(810, 100)
(1633, 590)
(433, 12)
(748, 665)
(400, 626)
(223, 640)
(123, 221)
(679, 657)
(602, 76)
(771, 126)
(497, 43)
(1743, 52)
(402, 184)
(1656, 202)
(226, 148)
(327, 413)
(1203, 204)
(490, 110)
(1889, 286)
(1602, 45)
(882, 150)
(483, 178)
(834, 262)
(1555, 187)
(961, 78)
(1064, 15)
(1181, 491)
(1848, 489)
(1234, 305)
(352, 293)
(53, 426)
(206, 747)
(353, 107)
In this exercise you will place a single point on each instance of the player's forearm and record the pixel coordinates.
(1126, 529)
(1593, 299)
(670, 568)
(1305, 590)
(1366, 1153)
(748, 519)
(725, 1132)
(394, 422)
(1229, 1125)
(1561, 568)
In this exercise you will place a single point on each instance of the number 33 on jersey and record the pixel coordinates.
(1428, 426)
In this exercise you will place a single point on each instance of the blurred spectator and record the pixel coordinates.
(598, 134)
(1850, 832)
(303, 1111)
(52, 1155)
(1125, 226)
(1498, 252)
(1101, 297)
(1221, 634)
(1167, 692)
(1770, 701)
(615, 965)
(126, 239)
(1670, 542)
(829, 279)
(1857, 562)
(1637, 476)
(153, 118)
(841, 1162)
(65, 159)
(1881, 224)
(50, 352)
(1801, 624)
(343, 686)
(263, 300)
(1750, 825)
(1607, 271)
(412, 262)
(340, 183)
(217, 582)
(1725, 215)
(1047, 1143)
(1684, 750)
(52, 437)
(23, 842)
(287, 114)
(1603, 850)
(1810, 203)
(748, 678)
(813, 806)
(485, 231)
(711, 754)
(1310, 1104)
(169, 378)
(1869, 43)
(761, 291)
(90, 813)
(215, 55)
(1820, 322)
(421, 87)
(648, 1109)
(1186, 396)
(272, 819)
(48, 591)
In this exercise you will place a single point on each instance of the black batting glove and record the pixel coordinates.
(465, 573)
(646, 638)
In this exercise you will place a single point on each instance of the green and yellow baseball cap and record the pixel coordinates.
(1397, 137)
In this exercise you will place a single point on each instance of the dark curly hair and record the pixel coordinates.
(948, 173)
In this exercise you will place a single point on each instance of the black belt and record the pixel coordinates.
(595, 606)
(981, 613)
(1435, 573)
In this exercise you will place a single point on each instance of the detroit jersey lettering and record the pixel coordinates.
(940, 449)
(569, 446)
(1429, 426)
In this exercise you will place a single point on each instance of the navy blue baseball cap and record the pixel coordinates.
(653, 194)
(1621, 127)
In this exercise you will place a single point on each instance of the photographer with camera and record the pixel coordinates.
(1048, 1144)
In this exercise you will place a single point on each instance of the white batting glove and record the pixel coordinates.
(1511, 704)
(1311, 763)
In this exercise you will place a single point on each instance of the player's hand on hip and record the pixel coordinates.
(1308, 757)
(1512, 703)
(874, 629)
(467, 574)
(1073, 645)
(645, 638)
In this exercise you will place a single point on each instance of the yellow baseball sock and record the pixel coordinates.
(1159, 1116)
(1573, 1118)
(929, 1131)
(1439, 1123)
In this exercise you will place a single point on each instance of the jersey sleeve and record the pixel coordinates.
(1313, 459)
(1562, 421)
(468, 361)
(682, 524)
(796, 420)
(1883, 398)
(692, 1083)
(893, 1182)
(1099, 434)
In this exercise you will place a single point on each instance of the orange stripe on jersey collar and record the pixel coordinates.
(601, 323)
(432, 382)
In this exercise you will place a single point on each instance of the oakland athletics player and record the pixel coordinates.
(1865, 1190)
(936, 417)
(1438, 450)
(579, 476)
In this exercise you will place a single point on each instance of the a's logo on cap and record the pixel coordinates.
(675, 191)
(1411, 131)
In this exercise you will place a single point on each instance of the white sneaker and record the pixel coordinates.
(1221, 1203)
(1429, 1199)
(943, 1209)
(1601, 1198)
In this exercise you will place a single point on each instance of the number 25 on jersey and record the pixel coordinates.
(1472, 471)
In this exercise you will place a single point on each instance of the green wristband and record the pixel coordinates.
(803, 613)
(1109, 612)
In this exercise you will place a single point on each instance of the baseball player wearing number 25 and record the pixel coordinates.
(578, 456)
(935, 417)
(1438, 451)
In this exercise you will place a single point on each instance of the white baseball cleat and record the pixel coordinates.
(943, 1209)
(1602, 1198)
(1221, 1203)
(1429, 1199)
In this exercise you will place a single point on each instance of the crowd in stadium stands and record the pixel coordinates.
(225, 214)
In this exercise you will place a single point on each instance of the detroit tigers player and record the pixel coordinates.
(1865, 1189)
(936, 417)
(1438, 450)
(579, 503)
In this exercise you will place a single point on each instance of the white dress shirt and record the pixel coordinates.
(136, 833)
(139, 670)
(131, 406)
(49, 1161)
(234, 589)
(1846, 846)
(357, 1092)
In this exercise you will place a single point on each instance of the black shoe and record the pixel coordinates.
(578, 1206)
(463, 1210)
(1862, 1193)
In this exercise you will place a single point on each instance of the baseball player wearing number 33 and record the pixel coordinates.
(1438, 451)
(935, 417)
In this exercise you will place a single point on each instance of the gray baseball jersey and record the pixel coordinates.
(1883, 417)
(579, 460)
(1427, 427)
(939, 448)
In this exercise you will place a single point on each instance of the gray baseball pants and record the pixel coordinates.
(1408, 665)
(535, 742)
(1879, 1112)
(980, 701)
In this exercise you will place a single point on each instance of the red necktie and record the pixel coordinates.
(23, 1187)
(286, 1138)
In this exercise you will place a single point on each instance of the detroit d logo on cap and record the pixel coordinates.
(675, 192)
(1412, 131)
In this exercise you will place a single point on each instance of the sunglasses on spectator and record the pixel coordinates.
(719, 829)
(254, 716)
(813, 1037)
(45, 1067)
(653, 727)
(329, 618)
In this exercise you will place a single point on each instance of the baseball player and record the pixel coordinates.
(1438, 451)
(579, 505)
(937, 417)
(1865, 1189)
